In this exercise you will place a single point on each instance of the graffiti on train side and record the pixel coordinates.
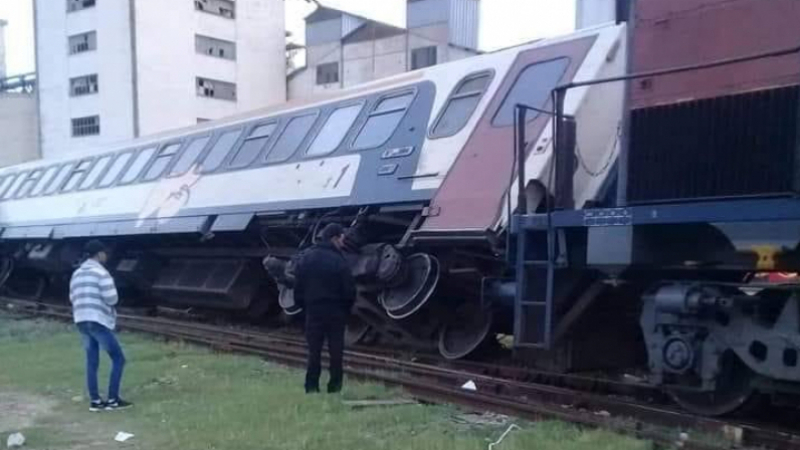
(168, 197)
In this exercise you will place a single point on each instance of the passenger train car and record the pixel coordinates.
(418, 166)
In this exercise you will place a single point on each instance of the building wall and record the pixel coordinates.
(19, 132)
(161, 93)
(594, 12)
(55, 66)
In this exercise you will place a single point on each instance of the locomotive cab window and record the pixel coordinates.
(219, 151)
(77, 175)
(461, 105)
(137, 166)
(532, 87)
(336, 126)
(113, 172)
(29, 183)
(44, 180)
(17, 182)
(383, 120)
(291, 137)
(161, 161)
(59, 178)
(189, 156)
(94, 174)
(253, 145)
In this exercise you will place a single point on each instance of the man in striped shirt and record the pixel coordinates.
(93, 295)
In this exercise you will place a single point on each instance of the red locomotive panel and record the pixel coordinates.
(684, 32)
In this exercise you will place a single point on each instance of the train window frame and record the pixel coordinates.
(36, 191)
(120, 182)
(314, 114)
(372, 113)
(455, 95)
(5, 186)
(315, 135)
(531, 117)
(123, 169)
(209, 138)
(215, 139)
(15, 185)
(248, 136)
(24, 188)
(81, 172)
(146, 176)
(54, 186)
(111, 158)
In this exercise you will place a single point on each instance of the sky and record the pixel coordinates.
(503, 23)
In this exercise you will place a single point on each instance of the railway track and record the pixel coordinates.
(503, 390)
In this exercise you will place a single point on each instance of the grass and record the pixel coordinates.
(190, 398)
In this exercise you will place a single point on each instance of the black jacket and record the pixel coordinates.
(323, 280)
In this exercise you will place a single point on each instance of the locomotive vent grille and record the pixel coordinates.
(733, 146)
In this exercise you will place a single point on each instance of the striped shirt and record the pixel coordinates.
(93, 295)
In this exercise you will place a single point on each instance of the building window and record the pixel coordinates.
(202, 120)
(84, 85)
(222, 90)
(383, 121)
(77, 5)
(217, 48)
(84, 42)
(328, 73)
(224, 8)
(85, 126)
(461, 105)
(423, 57)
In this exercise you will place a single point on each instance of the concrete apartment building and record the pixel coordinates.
(111, 70)
(594, 12)
(343, 50)
(19, 131)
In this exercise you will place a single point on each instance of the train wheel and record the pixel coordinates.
(465, 331)
(422, 276)
(735, 392)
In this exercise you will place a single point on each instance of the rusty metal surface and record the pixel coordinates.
(683, 32)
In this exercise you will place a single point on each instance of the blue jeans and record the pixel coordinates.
(95, 336)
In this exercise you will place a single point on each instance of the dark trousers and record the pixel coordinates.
(95, 336)
(322, 326)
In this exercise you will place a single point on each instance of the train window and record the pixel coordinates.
(77, 175)
(219, 151)
(46, 177)
(59, 178)
(461, 105)
(189, 156)
(291, 137)
(94, 174)
(119, 163)
(383, 121)
(253, 144)
(532, 88)
(162, 160)
(17, 182)
(29, 182)
(6, 183)
(136, 167)
(335, 129)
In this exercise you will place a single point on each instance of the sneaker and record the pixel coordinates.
(115, 405)
(97, 405)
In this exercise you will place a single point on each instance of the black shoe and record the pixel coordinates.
(97, 405)
(334, 389)
(312, 390)
(115, 405)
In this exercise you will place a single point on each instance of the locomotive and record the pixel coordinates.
(605, 197)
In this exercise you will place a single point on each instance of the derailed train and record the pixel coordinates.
(578, 228)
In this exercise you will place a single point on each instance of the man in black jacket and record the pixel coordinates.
(325, 288)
